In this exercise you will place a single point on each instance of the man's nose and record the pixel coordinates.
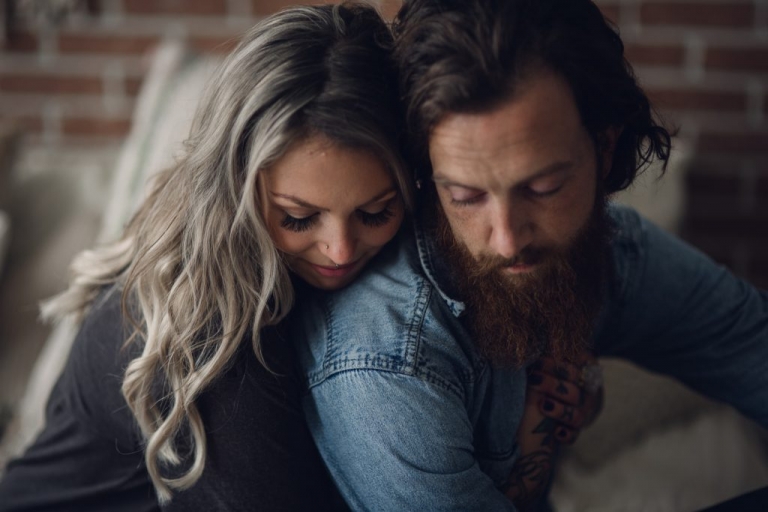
(511, 231)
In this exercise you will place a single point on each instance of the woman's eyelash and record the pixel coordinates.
(372, 220)
(375, 220)
(298, 225)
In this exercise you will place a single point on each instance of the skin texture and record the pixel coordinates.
(326, 205)
(520, 176)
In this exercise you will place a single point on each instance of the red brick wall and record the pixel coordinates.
(704, 63)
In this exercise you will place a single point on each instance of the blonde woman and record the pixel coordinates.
(180, 393)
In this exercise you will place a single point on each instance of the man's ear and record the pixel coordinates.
(608, 141)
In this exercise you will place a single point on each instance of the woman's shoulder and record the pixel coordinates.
(99, 346)
(92, 379)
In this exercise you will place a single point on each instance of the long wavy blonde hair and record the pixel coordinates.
(196, 265)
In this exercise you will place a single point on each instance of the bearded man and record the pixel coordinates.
(523, 117)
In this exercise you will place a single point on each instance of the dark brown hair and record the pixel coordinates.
(468, 55)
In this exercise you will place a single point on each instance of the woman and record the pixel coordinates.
(179, 392)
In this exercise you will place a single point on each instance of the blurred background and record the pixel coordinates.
(71, 73)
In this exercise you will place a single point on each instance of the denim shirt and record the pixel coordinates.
(407, 416)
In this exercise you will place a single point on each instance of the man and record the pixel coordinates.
(523, 117)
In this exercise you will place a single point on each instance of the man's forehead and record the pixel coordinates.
(533, 130)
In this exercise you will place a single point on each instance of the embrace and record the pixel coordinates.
(380, 275)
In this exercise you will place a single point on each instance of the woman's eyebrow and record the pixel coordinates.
(310, 206)
(379, 197)
(299, 202)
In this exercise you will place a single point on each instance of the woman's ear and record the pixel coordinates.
(608, 142)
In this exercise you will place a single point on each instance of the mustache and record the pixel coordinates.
(486, 263)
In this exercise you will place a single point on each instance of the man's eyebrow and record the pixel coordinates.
(541, 173)
(310, 206)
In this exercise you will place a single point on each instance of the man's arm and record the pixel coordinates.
(676, 312)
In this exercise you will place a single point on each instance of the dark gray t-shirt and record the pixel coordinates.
(89, 456)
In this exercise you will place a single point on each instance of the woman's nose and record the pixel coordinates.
(339, 247)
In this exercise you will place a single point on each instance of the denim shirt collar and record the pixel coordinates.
(434, 268)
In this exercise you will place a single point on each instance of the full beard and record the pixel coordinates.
(517, 318)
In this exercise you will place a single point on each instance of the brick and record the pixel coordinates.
(194, 7)
(734, 14)
(50, 84)
(214, 44)
(611, 11)
(705, 207)
(697, 99)
(21, 41)
(657, 55)
(730, 229)
(714, 247)
(737, 59)
(133, 86)
(703, 184)
(29, 124)
(759, 278)
(264, 7)
(758, 271)
(100, 127)
(752, 142)
(762, 188)
(83, 43)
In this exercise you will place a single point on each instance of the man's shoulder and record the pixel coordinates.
(391, 318)
(631, 234)
(627, 227)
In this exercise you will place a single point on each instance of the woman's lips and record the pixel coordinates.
(340, 271)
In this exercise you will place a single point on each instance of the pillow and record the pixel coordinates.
(684, 467)
(5, 236)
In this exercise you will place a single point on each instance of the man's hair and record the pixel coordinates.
(461, 56)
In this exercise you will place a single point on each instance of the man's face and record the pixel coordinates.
(517, 182)
(522, 222)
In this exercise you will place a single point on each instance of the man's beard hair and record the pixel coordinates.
(517, 318)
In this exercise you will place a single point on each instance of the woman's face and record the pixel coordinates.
(329, 209)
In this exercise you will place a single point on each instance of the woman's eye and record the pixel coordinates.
(296, 224)
(375, 220)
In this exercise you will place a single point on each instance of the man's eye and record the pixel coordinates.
(465, 197)
(298, 225)
(544, 191)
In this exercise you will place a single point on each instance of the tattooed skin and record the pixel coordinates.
(529, 479)
(530, 476)
(567, 416)
(547, 427)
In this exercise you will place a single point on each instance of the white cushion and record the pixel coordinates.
(5, 237)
